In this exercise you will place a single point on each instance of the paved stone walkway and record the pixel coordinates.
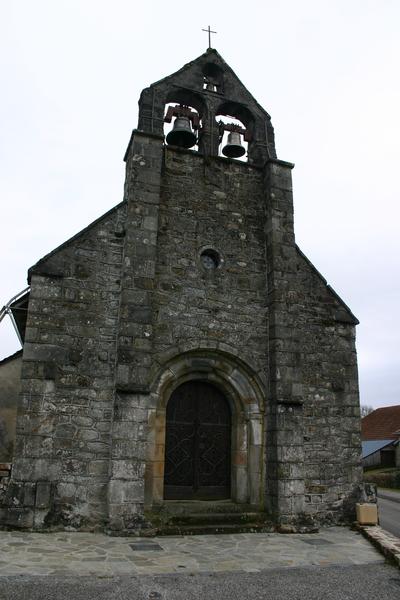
(103, 556)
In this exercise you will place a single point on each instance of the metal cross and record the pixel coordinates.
(209, 35)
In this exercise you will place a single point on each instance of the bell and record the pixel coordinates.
(181, 134)
(233, 148)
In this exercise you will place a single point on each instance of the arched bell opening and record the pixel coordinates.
(231, 138)
(183, 119)
(213, 78)
(182, 126)
(236, 126)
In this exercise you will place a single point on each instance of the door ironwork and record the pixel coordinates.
(197, 445)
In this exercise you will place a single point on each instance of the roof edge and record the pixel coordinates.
(7, 359)
(226, 65)
(353, 318)
(31, 270)
(385, 442)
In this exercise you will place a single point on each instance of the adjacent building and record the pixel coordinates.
(380, 434)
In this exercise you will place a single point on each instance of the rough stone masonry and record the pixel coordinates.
(193, 278)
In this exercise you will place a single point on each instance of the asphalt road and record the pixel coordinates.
(366, 582)
(389, 514)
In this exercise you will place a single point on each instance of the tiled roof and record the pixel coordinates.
(381, 424)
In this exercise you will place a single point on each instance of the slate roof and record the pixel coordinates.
(373, 446)
(381, 424)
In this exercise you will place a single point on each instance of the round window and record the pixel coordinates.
(210, 259)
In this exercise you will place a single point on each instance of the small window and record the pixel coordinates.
(210, 259)
(212, 77)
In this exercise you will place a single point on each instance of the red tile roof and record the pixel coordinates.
(381, 424)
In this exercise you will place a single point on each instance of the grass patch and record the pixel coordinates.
(381, 470)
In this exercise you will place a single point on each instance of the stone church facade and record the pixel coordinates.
(182, 348)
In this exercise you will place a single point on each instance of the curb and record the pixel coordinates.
(385, 542)
(388, 497)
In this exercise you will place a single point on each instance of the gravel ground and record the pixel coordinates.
(367, 582)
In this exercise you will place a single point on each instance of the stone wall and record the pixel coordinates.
(67, 382)
(179, 203)
(10, 379)
(110, 308)
(313, 436)
(216, 204)
(332, 441)
(135, 333)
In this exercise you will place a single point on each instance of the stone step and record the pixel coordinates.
(218, 518)
(185, 507)
(196, 518)
(216, 528)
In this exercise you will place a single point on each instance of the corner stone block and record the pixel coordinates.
(256, 432)
(43, 490)
(289, 453)
(99, 468)
(20, 518)
(121, 492)
(291, 488)
(29, 494)
(284, 505)
(128, 469)
(27, 469)
(123, 373)
(242, 490)
(298, 503)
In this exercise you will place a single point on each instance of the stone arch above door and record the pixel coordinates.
(245, 392)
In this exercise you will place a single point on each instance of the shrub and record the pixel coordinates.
(388, 480)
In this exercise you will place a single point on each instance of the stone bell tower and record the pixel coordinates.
(182, 347)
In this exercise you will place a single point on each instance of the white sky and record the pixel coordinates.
(327, 72)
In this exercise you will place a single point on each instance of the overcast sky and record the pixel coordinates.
(327, 71)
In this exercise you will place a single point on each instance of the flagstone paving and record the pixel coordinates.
(103, 556)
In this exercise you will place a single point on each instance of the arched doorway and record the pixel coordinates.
(197, 444)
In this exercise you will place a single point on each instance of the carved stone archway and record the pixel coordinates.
(245, 393)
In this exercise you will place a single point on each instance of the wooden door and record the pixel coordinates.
(197, 446)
